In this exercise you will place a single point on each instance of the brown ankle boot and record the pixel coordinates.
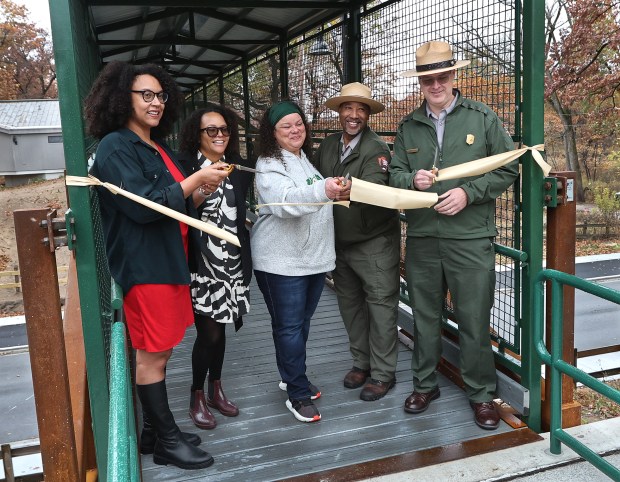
(199, 412)
(219, 401)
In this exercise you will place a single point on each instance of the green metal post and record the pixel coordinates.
(246, 109)
(353, 46)
(557, 295)
(65, 15)
(532, 181)
(221, 86)
(118, 457)
(283, 68)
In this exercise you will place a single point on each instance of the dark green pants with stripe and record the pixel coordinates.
(466, 267)
(366, 280)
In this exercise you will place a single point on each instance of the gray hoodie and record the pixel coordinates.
(292, 240)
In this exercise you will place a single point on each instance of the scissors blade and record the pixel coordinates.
(346, 179)
(243, 168)
(435, 159)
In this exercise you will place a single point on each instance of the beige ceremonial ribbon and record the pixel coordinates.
(390, 197)
(487, 164)
(195, 223)
(340, 203)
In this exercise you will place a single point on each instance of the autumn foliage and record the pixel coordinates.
(26, 58)
(583, 83)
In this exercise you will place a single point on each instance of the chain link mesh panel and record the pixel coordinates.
(483, 33)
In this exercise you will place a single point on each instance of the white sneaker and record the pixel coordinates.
(314, 391)
(304, 410)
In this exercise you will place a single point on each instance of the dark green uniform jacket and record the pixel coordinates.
(472, 131)
(142, 245)
(360, 222)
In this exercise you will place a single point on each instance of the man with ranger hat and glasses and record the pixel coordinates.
(366, 278)
(450, 245)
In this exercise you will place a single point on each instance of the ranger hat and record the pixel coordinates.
(354, 92)
(432, 58)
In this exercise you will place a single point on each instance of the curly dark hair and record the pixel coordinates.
(267, 144)
(189, 138)
(107, 107)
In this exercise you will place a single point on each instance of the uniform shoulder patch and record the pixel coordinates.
(383, 163)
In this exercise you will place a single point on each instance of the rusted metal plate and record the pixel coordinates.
(47, 347)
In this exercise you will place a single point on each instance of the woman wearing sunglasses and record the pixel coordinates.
(220, 287)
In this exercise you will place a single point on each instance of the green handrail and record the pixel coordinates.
(122, 453)
(559, 366)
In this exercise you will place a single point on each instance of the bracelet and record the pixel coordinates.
(203, 192)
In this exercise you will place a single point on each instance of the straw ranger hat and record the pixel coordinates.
(432, 58)
(354, 92)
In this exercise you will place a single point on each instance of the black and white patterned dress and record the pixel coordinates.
(217, 289)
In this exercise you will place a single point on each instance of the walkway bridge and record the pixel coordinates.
(247, 54)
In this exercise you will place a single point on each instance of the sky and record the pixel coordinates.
(39, 12)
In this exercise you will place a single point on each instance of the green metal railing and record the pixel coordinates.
(123, 457)
(122, 449)
(560, 366)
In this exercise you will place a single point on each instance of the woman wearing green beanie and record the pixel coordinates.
(292, 245)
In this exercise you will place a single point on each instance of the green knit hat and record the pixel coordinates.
(282, 109)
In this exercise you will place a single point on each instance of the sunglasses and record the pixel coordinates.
(212, 131)
(442, 79)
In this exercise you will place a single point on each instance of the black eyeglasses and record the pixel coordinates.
(212, 131)
(149, 95)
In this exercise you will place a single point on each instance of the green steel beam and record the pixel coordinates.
(65, 14)
(246, 108)
(353, 45)
(283, 68)
(177, 40)
(533, 124)
(315, 5)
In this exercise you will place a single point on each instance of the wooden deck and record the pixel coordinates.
(265, 442)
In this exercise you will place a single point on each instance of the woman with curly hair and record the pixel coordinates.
(292, 244)
(220, 285)
(130, 109)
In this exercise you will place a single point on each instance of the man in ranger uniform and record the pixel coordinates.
(450, 245)
(366, 277)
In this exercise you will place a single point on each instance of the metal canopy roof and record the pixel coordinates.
(199, 39)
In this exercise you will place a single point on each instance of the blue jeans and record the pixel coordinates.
(291, 301)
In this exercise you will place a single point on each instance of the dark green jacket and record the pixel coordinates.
(360, 222)
(142, 245)
(472, 131)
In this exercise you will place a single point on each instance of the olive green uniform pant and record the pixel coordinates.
(466, 267)
(366, 280)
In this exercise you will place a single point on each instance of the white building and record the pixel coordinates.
(30, 140)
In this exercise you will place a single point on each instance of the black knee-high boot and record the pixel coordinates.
(170, 447)
(148, 437)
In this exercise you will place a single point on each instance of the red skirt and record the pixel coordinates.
(157, 315)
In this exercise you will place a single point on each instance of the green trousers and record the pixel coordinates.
(466, 267)
(366, 281)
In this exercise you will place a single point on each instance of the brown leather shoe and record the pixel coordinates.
(375, 389)
(418, 402)
(356, 377)
(199, 412)
(486, 415)
(219, 401)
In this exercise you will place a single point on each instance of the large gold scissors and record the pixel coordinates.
(230, 167)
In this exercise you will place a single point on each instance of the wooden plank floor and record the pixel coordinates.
(265, 442)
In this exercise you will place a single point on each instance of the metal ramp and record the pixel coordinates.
(265, 442)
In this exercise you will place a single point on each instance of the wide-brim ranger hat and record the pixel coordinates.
(432, 58)
(354, 92)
